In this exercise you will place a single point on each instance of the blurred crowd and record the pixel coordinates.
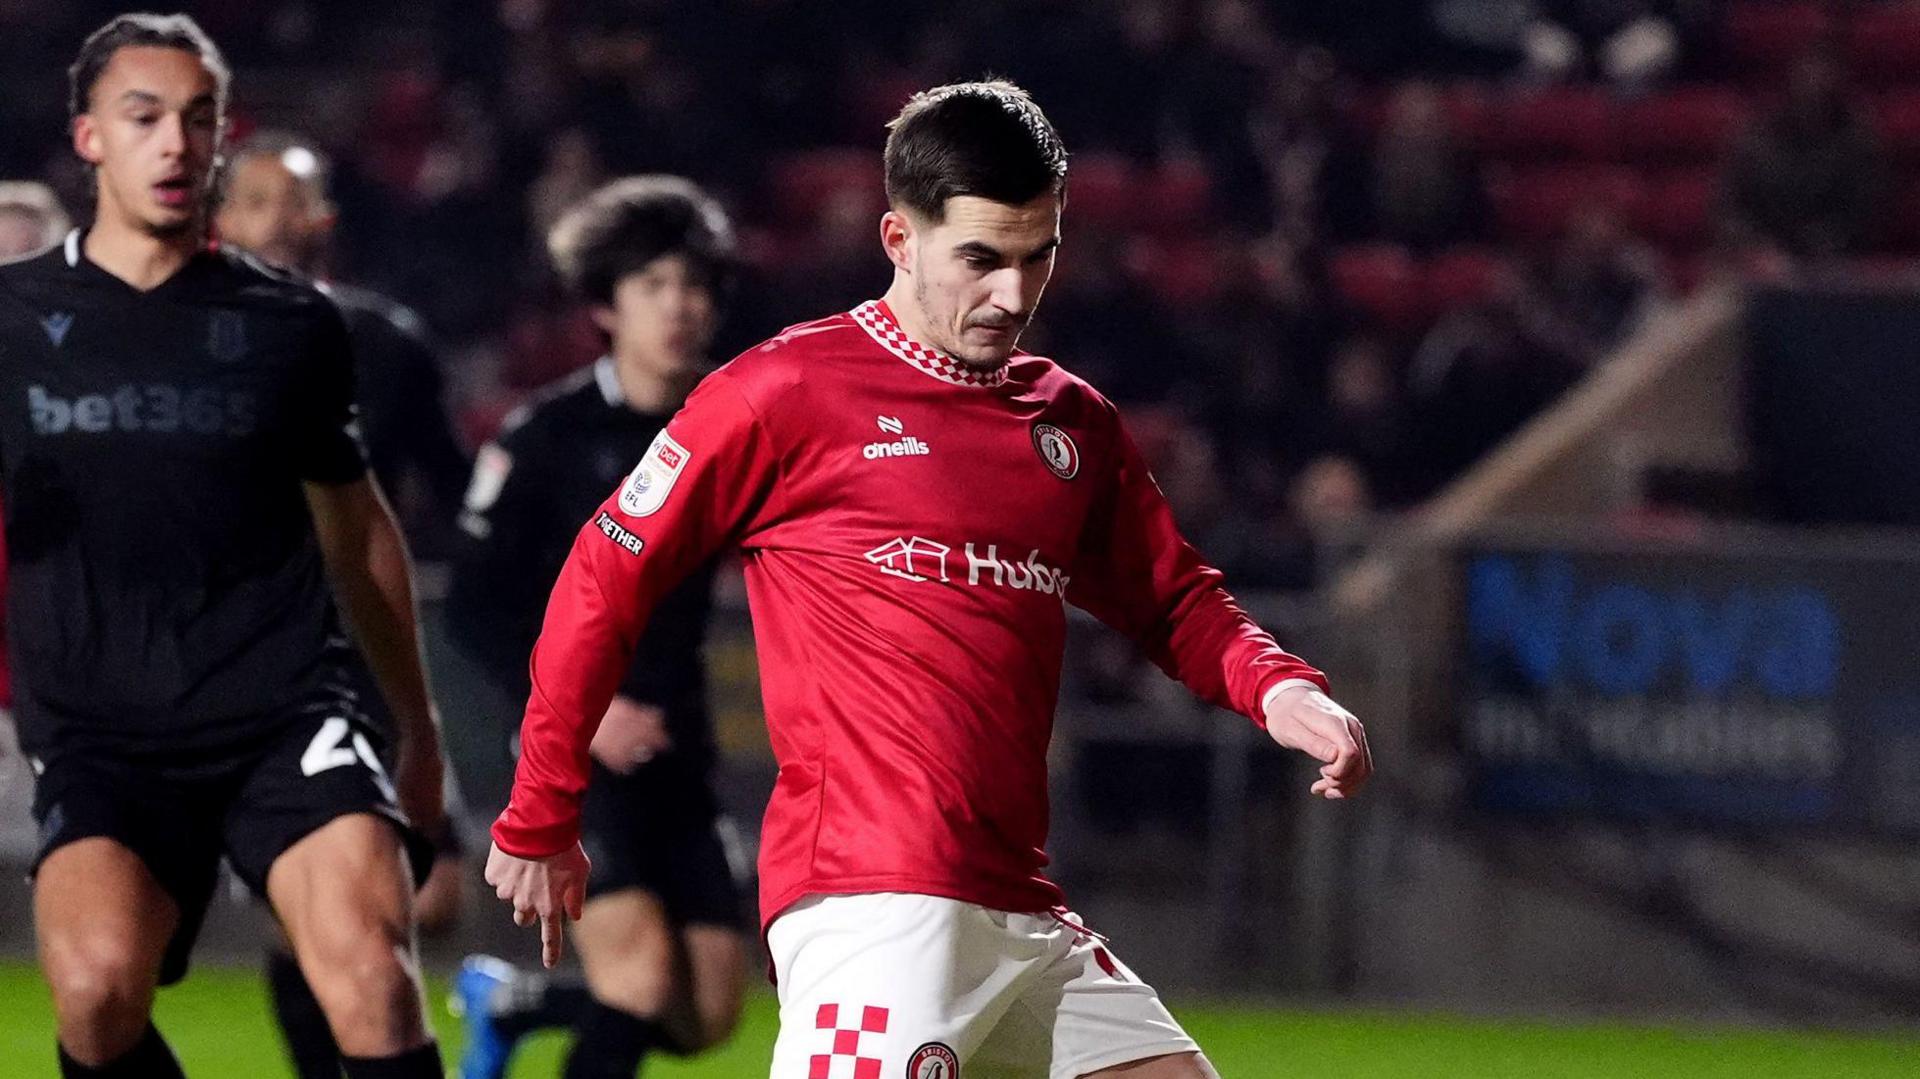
(1326, 254)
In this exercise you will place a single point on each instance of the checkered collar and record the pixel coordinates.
(874, 317)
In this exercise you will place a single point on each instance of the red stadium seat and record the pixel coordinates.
(1102, 191)
(1184, 273)
(1533, 205)
(1678, 208)
(1173, 199)
(1561, 123)
(1764, 36)
(1383, 283)
(1883, 45)
(1692, 125)
(799, 184)
(1897, 116)
(1464, 276)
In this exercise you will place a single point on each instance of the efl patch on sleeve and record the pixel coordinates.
(646, 490)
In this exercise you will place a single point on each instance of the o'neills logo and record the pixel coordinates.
(906, 447)
(1020, 576)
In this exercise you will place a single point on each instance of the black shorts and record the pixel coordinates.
(180, 818)
(659, 829)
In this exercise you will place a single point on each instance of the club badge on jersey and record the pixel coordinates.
(653, 478)
(1056, 450)
(933, 1060)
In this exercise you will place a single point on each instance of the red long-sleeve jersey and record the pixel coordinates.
(911, 530)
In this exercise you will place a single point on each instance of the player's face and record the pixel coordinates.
(273, 208)
(978, 274)
(152, 129)
(663, 316)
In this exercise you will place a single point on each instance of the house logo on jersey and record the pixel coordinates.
(57, 325)
(227, 336)
(922, 559)
(934, 1060)
(912, 559)
(904, 446)
(646, 490)
(1056, 450)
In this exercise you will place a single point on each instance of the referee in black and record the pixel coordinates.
(182, 479)
(662, 933)
(275, 204)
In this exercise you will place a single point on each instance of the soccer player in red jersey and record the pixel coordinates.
(915, 502)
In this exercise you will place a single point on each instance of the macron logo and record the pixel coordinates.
(57, 325)
(904, 446)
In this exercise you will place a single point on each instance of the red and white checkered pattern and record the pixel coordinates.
(880, 326)
(846, 1043)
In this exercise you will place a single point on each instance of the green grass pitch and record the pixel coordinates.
(217, 1022)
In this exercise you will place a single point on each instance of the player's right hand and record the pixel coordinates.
(1308, 720)
(548, 890)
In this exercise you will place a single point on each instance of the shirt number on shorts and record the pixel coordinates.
(331, 748)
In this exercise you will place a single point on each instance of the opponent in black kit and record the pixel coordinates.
(661, 937)
(275, 204)
(181, 480)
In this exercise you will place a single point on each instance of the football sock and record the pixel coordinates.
(149, 1059)
(540, 1001)
(609, 1043)
(421, 1063)
(303, 1025)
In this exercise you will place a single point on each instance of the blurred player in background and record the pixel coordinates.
(30, 219)
(661, 936)
(183, 482)
(275, 205)
(916, 501)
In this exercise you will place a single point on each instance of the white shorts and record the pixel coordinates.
(900, 986)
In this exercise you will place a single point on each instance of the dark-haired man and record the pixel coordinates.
(275, 204)
(915, 502)
(182, 480)
(660, 935)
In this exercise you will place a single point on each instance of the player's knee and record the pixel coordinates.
(102, 992)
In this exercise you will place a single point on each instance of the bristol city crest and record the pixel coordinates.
(1056, 450)
(933, 1060)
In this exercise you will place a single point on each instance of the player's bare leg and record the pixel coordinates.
(688, 984)
(344, 896)
(716, 973)
(627, 947)
(102, 922)
(1171, 1066)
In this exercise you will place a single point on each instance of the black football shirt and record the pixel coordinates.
(166, 591)
(534, 486)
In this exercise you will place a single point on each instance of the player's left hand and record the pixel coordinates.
(1303, 718)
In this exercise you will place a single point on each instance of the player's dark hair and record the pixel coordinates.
(299, 154)
(987, 139)
(627, 224)
(142, 29)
